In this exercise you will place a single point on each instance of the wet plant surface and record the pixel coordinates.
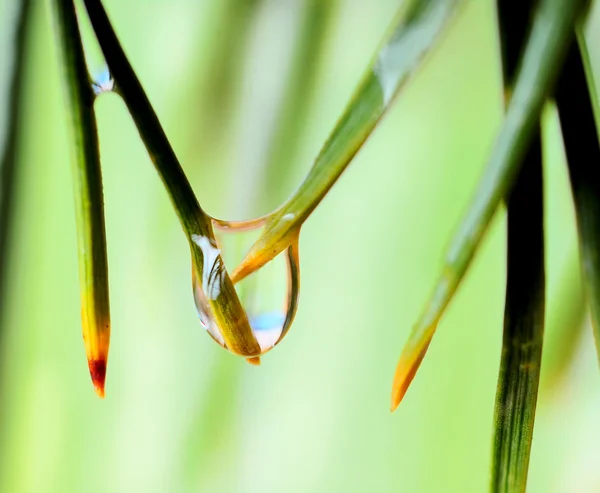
(245, 275)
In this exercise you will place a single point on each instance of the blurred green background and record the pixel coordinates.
(181, 414)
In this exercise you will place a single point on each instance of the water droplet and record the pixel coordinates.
(269, 296)
(103, 82)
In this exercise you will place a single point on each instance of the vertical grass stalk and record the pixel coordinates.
(519, 375)
(87, 180)
(575, 100)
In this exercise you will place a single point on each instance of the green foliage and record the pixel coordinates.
(364, 274)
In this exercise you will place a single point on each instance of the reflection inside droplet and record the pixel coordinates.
(269, 296)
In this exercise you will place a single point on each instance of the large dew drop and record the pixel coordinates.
(269, 296)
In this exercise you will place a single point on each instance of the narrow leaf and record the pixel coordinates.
(414, 34)
(87, 180)
(518, 380)
(575, 100)
(552, 31)
(218, 303)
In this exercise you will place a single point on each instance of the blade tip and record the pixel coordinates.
(98, 373)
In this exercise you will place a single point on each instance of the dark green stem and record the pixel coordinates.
(518, 379)
(190, 214)
(575, 102)
(519, 376)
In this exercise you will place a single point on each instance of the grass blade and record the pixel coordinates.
(551, 34)
(8, 153)
(412, 37)
(519, 375)
(575, 100)
(219, 301)
(87, 179)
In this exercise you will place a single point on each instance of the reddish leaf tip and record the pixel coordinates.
(98, 374)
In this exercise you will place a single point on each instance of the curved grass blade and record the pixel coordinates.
(8, 152)
(519, 375)
(413, 36)
(220, 302)
(552, 31)
(575, 100)
(87, 179)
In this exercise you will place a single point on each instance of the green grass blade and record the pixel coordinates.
(8, 153)
(413, 36)
(219, 298)
(87, 180)
(575, 100)
(520, 362)
(518, 381)
(551, 34)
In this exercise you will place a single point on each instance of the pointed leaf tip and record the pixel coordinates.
(98, 374)
(410, 361)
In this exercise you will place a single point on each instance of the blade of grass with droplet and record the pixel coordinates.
(221, 298)
(87, 179)
(551, 34)
(519, 375)
(8, 152)
(577, 104)
(412, 37)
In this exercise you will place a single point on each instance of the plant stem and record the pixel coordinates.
(519, 376)
(518, 379)
(224, 305)
(87, 181)
(575, 100)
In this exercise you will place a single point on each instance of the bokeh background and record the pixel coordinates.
(247, 91)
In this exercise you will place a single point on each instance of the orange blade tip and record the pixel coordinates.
(410, 361)
(255, 361)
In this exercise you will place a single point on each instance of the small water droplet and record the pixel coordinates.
(103, 82)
